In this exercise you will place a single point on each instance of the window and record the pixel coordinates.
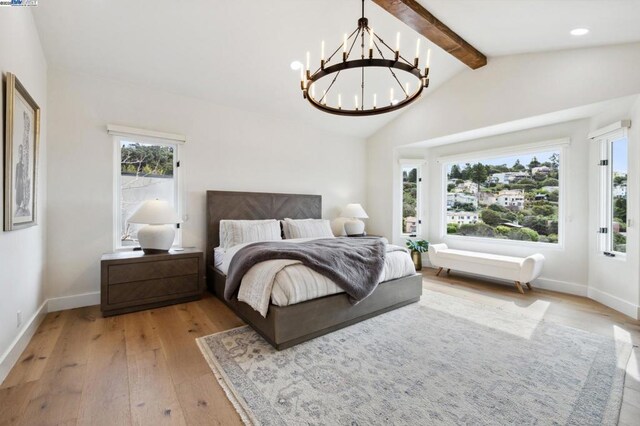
(146, 169)
(613, 193)
(411, 182)
(509, 197)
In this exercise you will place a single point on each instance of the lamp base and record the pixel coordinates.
(155, 239)
(354, 227)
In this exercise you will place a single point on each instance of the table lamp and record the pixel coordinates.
(158, 234)
(354, 212)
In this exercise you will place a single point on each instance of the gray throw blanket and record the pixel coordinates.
(354, 264)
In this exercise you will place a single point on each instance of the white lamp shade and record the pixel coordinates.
(155, 212)
(354, 210)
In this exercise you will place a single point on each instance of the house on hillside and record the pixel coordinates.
(487, 198)
(462, 218)
(508, 177)
(511, 199)
(460, 198)
(542, 170)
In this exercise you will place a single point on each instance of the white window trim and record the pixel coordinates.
(120, 133)
(418, 164)
(560, 145)
(604, 138)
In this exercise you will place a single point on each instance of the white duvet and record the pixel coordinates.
(287, 282)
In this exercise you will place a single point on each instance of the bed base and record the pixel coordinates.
(286, 326)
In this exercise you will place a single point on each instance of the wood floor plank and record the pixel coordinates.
(184, 360)
(140, 333)
(153, 396)
(99, 370)
(34, 359)
(204, 402)
(13, 402)
(57, 396)
(105, 396)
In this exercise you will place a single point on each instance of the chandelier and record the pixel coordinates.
(372, 57)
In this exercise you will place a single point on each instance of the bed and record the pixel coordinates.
(286, 326)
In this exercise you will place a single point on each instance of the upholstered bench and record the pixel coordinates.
(518, 269)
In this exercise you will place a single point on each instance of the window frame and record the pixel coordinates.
(139, 136)
(560, 145)
(605, 142)
(418, 164)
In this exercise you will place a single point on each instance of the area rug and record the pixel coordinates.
(445, 360)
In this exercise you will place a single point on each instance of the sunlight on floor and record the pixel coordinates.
(623, 340)
(521, 321)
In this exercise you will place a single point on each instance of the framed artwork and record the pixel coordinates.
(22, 136)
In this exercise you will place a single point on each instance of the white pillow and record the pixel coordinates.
(234, 232)
(307, 228)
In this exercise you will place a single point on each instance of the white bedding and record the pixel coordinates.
(287, 282)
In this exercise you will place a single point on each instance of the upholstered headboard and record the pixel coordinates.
(255, 206)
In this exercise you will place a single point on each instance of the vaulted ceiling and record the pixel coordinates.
(238, 52)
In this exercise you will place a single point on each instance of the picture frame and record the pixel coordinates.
(21, 144)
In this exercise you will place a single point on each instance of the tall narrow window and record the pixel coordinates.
(410, 197)
(613, 197)
(145, 171)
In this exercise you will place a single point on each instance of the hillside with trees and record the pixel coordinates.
(517, 202)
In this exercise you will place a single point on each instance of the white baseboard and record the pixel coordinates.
(615, 302)
(12, 354)
(71, 302)
(561, 286)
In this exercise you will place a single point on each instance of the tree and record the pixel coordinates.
(555, 161)
(452, 228)
(542, 208)
(549, 182)
(477, 230)
(478, 174)
(537, 223)
(620, 208)
(534, 163)
(490, 217)
(517, 166)
(523, 234)
(498, 208)
(464, 207)
(455, 172)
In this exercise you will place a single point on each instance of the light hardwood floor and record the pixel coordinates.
(145, 368)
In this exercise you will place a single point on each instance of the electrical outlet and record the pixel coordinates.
(19, 318)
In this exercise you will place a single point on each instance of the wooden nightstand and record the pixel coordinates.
(133, 281)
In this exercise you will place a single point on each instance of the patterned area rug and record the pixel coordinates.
(444, 360)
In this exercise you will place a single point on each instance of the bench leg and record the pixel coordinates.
(529, 286)
(519, 287)
(438, 273)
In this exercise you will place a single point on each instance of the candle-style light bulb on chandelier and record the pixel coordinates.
(372, 55)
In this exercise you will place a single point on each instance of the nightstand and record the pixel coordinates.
(133, 281)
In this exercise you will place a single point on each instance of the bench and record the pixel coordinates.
(521, 270)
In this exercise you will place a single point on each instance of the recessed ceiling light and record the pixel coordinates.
(296, 65)
(579, 31)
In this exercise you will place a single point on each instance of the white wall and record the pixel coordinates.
(22, 252)
(574, 202)
(227, 149)
(507, 90)
(516, 93)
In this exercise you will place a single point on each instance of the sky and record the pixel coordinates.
(619, 156)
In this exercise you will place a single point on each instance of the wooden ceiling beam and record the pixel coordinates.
(420, 19)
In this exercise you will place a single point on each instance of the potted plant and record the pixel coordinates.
(417, 247)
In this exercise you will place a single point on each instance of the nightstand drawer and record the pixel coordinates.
(152, 270)
(158, 289)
